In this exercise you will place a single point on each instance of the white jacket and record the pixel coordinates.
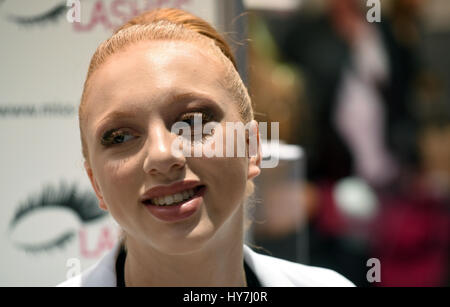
(270, 271)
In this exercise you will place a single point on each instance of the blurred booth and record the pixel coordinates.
(278, 213)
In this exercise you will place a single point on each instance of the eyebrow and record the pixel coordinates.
(132, 112)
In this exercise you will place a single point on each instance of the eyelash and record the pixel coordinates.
(51, 16)
(109, 136)
(206, 117)
(83, 204)
(61, 242)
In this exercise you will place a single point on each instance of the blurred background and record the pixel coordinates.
(363, 105)
(369, 103)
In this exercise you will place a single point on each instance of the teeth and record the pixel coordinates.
(169, 199)
(174, 198)
(178, 197)
(185, 194)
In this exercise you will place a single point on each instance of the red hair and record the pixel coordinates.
(186, 20)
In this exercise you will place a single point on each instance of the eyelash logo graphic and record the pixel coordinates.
(83, 205)
(107, 13)
(51, 15)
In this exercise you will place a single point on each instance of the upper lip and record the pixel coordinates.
(163, 190)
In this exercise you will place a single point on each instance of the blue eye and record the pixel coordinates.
(116, 136)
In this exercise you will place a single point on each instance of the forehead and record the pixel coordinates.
(151, 71)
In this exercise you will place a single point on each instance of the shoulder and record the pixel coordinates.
(275, 272)
(101, 274)
(270, 271)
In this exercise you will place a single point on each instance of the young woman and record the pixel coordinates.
(182, 216)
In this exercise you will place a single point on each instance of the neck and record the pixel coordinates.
(218, 263)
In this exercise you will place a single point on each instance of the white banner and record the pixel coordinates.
(51, 227)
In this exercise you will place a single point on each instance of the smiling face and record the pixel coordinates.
(151, 85)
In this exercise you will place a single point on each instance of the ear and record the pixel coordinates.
(254, 158)
(94, 184)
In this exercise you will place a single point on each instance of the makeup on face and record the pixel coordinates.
(175, 204)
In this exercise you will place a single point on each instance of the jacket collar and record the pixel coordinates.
(267, 274)
(104, 272)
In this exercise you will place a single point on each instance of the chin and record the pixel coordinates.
(191, 243)
(183, 239)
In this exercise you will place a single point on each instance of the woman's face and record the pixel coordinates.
(134, 99)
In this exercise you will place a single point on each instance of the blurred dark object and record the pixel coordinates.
(412, 237)
(322, 46)
(373, 104)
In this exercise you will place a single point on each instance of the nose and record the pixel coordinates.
(160, 160)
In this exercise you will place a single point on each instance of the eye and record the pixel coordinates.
(116, 136)
(190, 117)
(196, 120)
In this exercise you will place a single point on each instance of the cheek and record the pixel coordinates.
(226, 169)
(119, 182)
(226, 178)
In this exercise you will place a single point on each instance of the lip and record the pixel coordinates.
(163, 190)
(182, 211)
